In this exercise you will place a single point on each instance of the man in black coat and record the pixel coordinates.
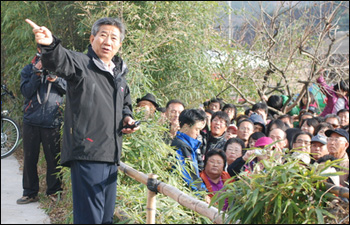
(98, 108)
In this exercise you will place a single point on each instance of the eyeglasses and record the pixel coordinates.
(216, 120)
(336, 139)
(300, 141)
(245, 129)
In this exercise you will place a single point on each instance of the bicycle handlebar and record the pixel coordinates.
(7, 91)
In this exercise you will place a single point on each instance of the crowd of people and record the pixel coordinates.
(212, 143)
(217, 142)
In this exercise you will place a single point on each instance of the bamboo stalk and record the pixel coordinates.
(151, 203)
(337, 190)
(192, 203)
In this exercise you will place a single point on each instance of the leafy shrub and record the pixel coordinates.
(288, 192)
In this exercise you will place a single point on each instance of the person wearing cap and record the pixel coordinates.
(240, 164)
(261, 109)
(337, 143)
(259, 124)
(318, 147)
(231, 131)
(148, 104)
(259, 153)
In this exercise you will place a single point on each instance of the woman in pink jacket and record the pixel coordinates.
(337, 96)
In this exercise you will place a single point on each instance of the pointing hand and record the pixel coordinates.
(43, 35)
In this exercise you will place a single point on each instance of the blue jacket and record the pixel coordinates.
(186, 149)
(47, 114)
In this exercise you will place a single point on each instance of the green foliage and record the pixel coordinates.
(288, 192)
(163, 48)
(146, 152)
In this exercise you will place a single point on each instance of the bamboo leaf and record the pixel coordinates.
(319, 216)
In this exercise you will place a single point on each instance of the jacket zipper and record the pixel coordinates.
(28, 106)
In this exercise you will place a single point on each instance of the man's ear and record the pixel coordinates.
(92, 37)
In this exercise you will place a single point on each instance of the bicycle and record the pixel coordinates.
(10, 132)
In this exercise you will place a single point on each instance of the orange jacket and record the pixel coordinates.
(224, 176)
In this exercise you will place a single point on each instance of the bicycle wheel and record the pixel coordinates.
(10, 136)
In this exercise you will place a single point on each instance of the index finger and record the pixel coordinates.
(32, 24)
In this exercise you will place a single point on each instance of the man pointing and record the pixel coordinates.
(98, 107)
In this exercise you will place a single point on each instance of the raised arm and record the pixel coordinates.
(43, 36)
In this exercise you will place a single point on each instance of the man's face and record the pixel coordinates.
(258, 128)
(194, 130)
(215, 106)
(344, 118)
(280, 136)
(106, 43)
(337, 145)
(318, 149)
(302, 143)
(333, 121)
(173, 112)
(245, 129)
(218, 126)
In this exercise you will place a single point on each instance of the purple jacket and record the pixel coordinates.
(331, 96)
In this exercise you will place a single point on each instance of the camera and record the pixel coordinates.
(258, 152)
(51, 75)
(136, 124)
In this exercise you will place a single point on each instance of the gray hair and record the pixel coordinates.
(109, 21)
(332, 116)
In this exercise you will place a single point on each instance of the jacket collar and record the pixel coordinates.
(120, 66)
(193, 143)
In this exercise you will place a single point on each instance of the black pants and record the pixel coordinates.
(94, 186)
(50, 139)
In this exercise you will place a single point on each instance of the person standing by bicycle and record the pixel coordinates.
(42, 119)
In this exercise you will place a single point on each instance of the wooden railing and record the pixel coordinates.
(192, 203)
(188, 201)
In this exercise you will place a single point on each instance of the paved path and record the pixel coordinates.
(11, 190)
